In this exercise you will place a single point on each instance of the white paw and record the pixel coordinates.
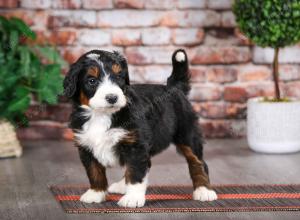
(93, 196)
(132, 200)
(118, 187)
(203, 194)
(180, 56)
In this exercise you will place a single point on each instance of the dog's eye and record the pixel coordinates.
(92, 82)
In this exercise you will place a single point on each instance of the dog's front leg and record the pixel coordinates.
(136, 179)
(97, 177)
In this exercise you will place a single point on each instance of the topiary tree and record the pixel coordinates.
(270, 23)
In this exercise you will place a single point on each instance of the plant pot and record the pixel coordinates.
(273, 127)
(9, 144)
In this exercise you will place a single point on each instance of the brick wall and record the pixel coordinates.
(226, 68)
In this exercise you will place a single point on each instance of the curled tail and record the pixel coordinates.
(180, 76)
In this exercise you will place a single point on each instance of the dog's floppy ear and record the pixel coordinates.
(71, 79)
(124, 66)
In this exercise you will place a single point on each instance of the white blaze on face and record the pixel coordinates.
(107, 87)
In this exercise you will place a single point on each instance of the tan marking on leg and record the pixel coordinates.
(196, 167)
(97, 176)
(127, 175)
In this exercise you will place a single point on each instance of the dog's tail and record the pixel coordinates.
(180, 76)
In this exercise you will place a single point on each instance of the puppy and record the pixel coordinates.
(117, 123)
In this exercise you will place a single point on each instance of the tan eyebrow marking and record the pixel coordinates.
(93, 71)
(116, 68)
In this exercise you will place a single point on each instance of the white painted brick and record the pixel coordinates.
(156, 36)
(185, 4)
(286, 55)
(94, 37)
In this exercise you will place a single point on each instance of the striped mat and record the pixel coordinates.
(231, 198)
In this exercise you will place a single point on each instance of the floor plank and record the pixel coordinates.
(24, 181)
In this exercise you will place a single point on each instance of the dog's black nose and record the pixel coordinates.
(111, 98)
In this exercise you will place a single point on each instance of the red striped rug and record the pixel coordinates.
(231, 198)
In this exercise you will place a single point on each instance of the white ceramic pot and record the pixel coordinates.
(273, 127)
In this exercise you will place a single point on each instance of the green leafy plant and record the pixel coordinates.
(27, 71)
(270, 23)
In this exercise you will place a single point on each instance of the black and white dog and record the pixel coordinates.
(117, 123)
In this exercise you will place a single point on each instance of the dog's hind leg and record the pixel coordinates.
(199, 174)
(192, 151)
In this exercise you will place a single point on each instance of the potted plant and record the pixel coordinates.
(273, 122)
(27, 73)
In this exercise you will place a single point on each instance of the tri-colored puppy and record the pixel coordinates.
(117, 123)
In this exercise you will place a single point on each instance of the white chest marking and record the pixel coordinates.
(97, 136)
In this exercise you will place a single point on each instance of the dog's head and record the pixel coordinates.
(98, 79)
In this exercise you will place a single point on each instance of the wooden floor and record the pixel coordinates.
(24, 182)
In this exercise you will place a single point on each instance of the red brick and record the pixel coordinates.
(97, 4)
(158, 4)
(222, 74)
(200, 19)
(220, 110)
(137, 4)
(261, 89)
(192, 18)
(219, 4)
(60, 112)
(213, 110)
(149, 74)
(149, 55)
(289, 72)
(8, 3)
(128, 18)
(236, 110)
(170, 19)
(66, 4)
(220, 37)
(71, 54)
(198, 73)
(242, 39)
(254, 73)
(292, 89)
(223, 55)
(215, 129)
(76, 18)
(42, 130)
(201, 92)
(57, 37)
(39, 4)
(228, 19)
(235, 94)
(36, 19)
(63, 37)
(191, 4)
(156, 36)
(223, 128)
(126, 37)
(187, 36)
